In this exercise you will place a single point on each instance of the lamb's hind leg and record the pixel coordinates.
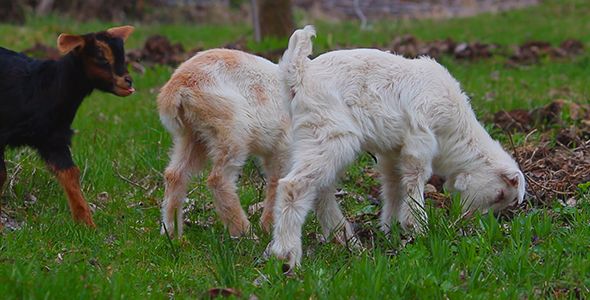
(188, 157)
(392, 193)
(228, 161)
(276, 167)
(332, 220)
(273, 174)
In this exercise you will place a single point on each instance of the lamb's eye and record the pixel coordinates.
(101, 61)
(500, 197)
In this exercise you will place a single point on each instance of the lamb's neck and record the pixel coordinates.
(463, 148)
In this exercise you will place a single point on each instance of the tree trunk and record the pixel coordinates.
(276, 18)
(255, 21)
(44, 7)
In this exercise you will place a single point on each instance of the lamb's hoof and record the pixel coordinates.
(415, 227)
(240, 230)
(166, 232)
(267, 253)
(266, 223)
(86, 218)
(287, 270)
(286, 267)
(354, 244)
(90, 223)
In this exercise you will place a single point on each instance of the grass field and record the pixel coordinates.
(537, 253)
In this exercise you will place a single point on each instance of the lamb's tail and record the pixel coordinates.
(294, 60)
(170, 105)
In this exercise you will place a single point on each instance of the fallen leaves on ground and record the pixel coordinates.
(158, 49)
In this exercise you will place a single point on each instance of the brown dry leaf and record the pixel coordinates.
(252, 209)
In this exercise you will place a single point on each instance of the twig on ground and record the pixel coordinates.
(125, 179)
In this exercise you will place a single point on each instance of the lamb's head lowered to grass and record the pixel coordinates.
(493, 187)
(410, 112)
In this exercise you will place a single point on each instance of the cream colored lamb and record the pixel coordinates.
(223, 105)
(411, 112)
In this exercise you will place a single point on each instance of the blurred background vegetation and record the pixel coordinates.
(269, 17)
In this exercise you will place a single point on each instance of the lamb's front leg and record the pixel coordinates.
(295, 196)
(316, 166)
(415, 168)
(57, 155)
(411, 213)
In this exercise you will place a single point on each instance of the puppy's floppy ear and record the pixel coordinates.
(122, 32)
(68, 42)
(462, 181)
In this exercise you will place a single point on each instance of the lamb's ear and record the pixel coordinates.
(462, 181)
(515, 178)
(511, 178)
(68, 42)
(122, 32)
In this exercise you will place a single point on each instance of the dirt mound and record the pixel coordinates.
(157, 49)
(555, 112)
(528, 53)
(41, 51)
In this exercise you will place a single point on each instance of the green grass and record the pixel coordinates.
(539, 253)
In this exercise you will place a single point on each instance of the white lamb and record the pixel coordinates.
(224, 105)
(411, 112)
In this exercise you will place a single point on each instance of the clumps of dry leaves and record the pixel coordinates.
(555, 169)
(158, 50)
(556, 161)
(528, 53)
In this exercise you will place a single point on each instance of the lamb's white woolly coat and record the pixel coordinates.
(223, 105)
(410, 112)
